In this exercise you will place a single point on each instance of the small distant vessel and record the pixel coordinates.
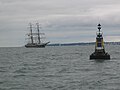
(34, 39)
(99, 47)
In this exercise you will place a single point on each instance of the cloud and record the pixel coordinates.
(60, 19)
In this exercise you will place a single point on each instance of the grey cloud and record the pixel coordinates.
(79, 16)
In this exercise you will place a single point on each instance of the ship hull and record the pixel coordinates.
(102, 56)
(36, 45)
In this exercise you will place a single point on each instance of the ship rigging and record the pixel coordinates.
(35, 39)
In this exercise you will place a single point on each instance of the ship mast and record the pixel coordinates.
(31, 33)
(39, 41)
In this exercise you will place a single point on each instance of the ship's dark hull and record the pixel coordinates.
(102, 56)
(36, 45)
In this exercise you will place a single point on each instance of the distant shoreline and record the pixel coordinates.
(77, 44)
(70, 44)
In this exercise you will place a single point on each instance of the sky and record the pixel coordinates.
(62, 21)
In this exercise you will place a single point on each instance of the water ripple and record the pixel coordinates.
(58, 68)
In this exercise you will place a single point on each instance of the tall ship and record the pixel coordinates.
(99, 47)
(35, 38)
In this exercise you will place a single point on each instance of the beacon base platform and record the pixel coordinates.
(102, 56)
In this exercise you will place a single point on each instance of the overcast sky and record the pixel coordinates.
(62, 21)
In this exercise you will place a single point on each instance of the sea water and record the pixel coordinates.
(58, 68)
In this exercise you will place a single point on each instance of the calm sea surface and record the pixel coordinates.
(58, 68)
